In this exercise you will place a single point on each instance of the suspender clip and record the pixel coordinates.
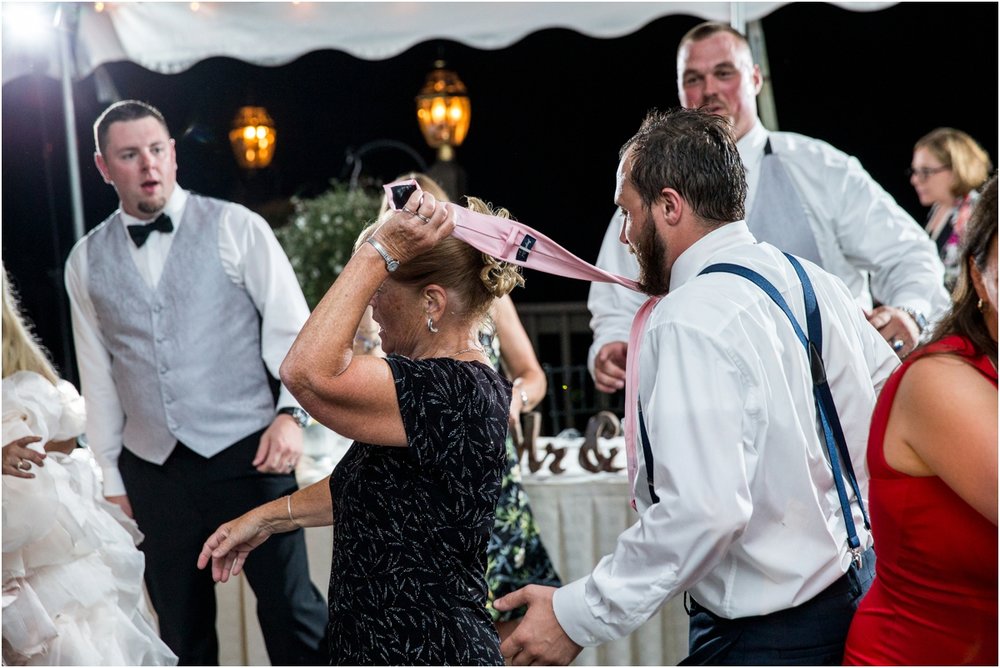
(856, 557)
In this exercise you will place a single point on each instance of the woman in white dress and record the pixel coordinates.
(72, 576)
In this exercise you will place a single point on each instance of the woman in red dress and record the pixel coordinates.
(932, 453)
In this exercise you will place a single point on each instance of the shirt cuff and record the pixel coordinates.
(113, 483)
(575, 616)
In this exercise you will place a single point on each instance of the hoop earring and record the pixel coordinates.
(430, 326)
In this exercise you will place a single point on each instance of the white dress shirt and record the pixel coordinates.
(749, 521)
(859, 230)
(251, 258)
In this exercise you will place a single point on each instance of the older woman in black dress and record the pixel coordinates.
(412, 501)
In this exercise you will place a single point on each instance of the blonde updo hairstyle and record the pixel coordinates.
(21, 349)
(476, 278)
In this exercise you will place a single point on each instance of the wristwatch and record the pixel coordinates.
(299, 415)
(391, 263)
(917, 316)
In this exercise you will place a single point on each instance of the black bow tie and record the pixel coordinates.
(140, 233)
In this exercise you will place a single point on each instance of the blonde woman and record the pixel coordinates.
(516, 555)
(72, 576)
(412, 502)
(947, 169)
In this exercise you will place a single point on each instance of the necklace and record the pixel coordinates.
(466, 350)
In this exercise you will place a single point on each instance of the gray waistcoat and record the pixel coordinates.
(778, 216)
(185, 357)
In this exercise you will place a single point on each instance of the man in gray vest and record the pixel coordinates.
(181, 305)
(805, 197)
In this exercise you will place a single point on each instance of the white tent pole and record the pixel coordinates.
(766, 108)
(737, 17)
(754, 33)
(65, 28)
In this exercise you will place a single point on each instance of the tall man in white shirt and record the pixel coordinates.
(181, 304)
(805, 197)
(739, 506)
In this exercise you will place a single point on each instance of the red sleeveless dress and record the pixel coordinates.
(934, 598)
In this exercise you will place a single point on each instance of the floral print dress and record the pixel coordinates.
(948, 236)
(516, 556)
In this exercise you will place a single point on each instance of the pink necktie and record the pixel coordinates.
(519, 244)
(632, 391)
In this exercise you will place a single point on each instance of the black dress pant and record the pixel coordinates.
(177, 505)
(810, 634)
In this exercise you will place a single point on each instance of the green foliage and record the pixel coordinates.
(321, 232)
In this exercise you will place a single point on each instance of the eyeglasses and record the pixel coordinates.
(925, 173)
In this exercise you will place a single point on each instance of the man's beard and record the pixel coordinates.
(651, 252)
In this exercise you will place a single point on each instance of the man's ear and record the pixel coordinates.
(102, 167)
(758, 80)
(672, 205)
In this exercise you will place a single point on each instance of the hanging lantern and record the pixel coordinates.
(253, 137)
(443, 110)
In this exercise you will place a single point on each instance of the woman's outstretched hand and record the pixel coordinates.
(229, 546)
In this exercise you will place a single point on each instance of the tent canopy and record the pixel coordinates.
(169, 37)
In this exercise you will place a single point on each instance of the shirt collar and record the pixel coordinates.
(751, 145)
(701, 252)
(174, 208)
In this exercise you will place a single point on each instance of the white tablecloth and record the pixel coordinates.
(579, 514)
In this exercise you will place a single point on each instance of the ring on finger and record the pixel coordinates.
(24, 465)
(417, 214)
(897, 345)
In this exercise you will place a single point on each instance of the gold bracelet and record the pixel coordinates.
(288, 500)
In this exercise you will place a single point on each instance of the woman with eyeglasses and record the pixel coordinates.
(948, 166)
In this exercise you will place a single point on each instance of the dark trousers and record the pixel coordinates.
(811, 634)
(178, 505)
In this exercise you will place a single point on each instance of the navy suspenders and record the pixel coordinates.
(826, 411)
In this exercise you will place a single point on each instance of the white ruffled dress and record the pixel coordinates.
(72, 576)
